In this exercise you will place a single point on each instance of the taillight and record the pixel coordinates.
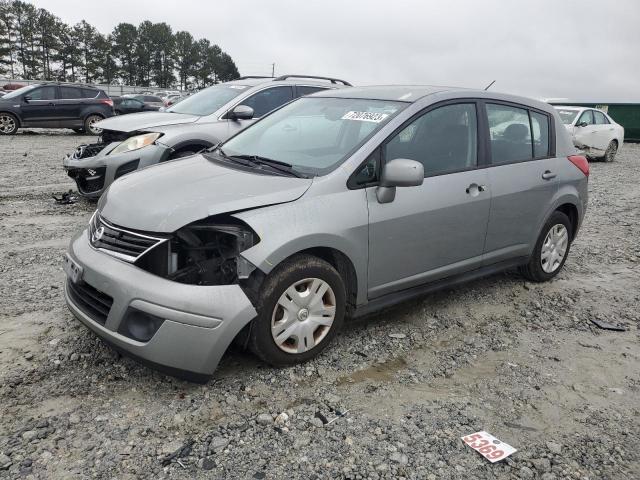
(581, 162)
(107, 101)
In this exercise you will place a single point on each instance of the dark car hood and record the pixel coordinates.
(145, 121)
(168, 196)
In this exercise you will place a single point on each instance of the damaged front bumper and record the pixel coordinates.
(94, 169)
(185, 329)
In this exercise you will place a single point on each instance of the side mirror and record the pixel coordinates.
(241, 112)
(400, 172)
(582, 124)
(26, 98)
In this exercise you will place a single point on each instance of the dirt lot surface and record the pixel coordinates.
(519, 360)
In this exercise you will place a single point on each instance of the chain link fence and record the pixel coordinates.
(111, 90)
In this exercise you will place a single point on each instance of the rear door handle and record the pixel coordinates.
(548, 175)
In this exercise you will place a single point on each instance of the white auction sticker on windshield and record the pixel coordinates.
(365, 116)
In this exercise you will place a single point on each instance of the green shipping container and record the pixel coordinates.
(626, 114)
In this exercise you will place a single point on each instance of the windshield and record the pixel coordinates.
(207, 101)
(567, 116)
(20, 91)
(313, 134)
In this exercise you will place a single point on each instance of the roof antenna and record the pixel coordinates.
(489, 86)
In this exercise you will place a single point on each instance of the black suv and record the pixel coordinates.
(54, 105)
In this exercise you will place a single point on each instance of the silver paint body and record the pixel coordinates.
(178, 131)
(427, 233)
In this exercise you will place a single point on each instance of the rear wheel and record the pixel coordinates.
(89, 124)
(301, 307)
(611, 151)
(8, 124)
(551, 250)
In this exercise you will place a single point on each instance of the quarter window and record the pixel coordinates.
(44, 93)
(600, 118)
(267, 100)
(444, 140)
(510, 133)
(540, 126)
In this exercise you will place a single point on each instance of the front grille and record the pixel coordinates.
(91, 301)
(124, 244)
(86, 151)
(89, 180)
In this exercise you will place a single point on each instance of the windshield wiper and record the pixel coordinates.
(274, 164)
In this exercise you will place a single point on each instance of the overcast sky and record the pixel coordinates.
(543, 48)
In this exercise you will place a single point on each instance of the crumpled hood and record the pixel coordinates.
(168, 196)
(144, 121)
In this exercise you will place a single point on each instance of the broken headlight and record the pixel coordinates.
(204, 253)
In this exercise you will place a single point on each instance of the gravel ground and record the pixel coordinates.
(519, 360)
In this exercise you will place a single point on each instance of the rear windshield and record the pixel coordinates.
(207, 101)
(567, 115)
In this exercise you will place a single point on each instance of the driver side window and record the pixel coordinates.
(586, 117)
(269, 99)
(43, 93)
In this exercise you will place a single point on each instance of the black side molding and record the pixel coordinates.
(394, 298)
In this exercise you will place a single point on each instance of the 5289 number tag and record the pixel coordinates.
(488, 446)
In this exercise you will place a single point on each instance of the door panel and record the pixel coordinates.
(69, 105)
(428, 232)
(521, 188)
(520, 197)
(436, 229)
(585, 136)
(40, 110)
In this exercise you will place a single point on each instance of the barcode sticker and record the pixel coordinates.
(365, 116)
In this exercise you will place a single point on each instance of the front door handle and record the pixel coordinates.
(548, 175)
(474, 189)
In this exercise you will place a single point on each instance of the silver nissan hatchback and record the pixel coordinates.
(334, 206)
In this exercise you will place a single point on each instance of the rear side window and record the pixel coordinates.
(267, 100)
(67, 93)
(540, 127)
(600, 118)
(303, 90)
(43, 93)
(149, 98)
(586, 117)
(444, 140)
(510, 133)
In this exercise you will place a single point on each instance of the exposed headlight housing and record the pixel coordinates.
(135, 143)
(206, 252)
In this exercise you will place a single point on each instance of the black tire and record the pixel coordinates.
(9, 123)
(88, 124)
(296, 269)
(534, 269)
(611, 151)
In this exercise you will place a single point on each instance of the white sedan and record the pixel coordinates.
(593, 131)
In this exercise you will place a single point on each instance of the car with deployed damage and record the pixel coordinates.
(334, 206)
(197, 122)
(593, 131)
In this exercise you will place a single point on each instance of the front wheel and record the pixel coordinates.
(90, 124)
(611, 151)
(551, 250)
(301, 307)
(8, 124)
